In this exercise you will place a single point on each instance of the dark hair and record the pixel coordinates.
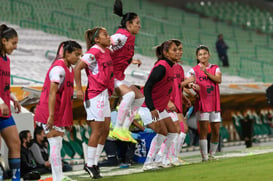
(7, 33)
(23, 135)
(118, 10)
(201, 47)
(90, 36)
(160, 49)
(164, 47)
(69, 46)
(37, 131)
(176, 41)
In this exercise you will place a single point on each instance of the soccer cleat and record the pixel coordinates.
(176, 162)
(124, 165)
(97, 168)
(162, 165)
(212, 157)
(120, 134)
(92, 171)
(123, 135)
(111, 134)
(183, 162)
(131, 139)
(149, 166)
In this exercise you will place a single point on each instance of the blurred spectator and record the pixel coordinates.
(221, 48)
(39, 148)
(29, 168)
(247, 124)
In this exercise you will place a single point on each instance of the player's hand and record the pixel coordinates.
(196, 87)
(50, 122)
(137, 61)
(17, 107)
(203, 68)
(155, 114)
(47, 164)
(4, 109)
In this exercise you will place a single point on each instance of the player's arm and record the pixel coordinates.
(217, 78)
(77, 75)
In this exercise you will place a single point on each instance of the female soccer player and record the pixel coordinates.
(123, 51)
(9, 132)
(208, 77)
(98, 65)
(175, 109)
(54, 111)
(157, 91)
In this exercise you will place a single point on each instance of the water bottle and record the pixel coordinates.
(1, 174)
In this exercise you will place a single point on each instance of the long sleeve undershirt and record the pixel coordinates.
(156, 75)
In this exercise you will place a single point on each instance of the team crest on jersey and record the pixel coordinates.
(210, 89)
(92, 57)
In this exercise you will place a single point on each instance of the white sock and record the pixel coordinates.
(84, 148)
(55, 144)
(91, 154)
(159, 155)
(180, 140)
(98, 153)
(204, 149)
(154, 147)
(169, 142)
(213, 148)
(173, 154)
(124, 107)
(134, 107)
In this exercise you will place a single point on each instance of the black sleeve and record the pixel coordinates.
(156, 75)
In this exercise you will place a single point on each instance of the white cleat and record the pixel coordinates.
(212, 157)
(149, 166)
(162, 165)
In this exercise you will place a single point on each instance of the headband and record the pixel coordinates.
(95, 34)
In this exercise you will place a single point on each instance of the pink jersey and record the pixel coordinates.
(176, 96)
(209, 94)
(123, 51)
(63, 115)
(99, 71)
(5, 82)
(162, 90)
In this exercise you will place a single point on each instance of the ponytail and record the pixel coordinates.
(161, 49)
(64, 46)
(90, 36)
(118, 10)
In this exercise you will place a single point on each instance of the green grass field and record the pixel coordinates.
(243, 165)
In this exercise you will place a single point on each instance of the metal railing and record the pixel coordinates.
(23, 78)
